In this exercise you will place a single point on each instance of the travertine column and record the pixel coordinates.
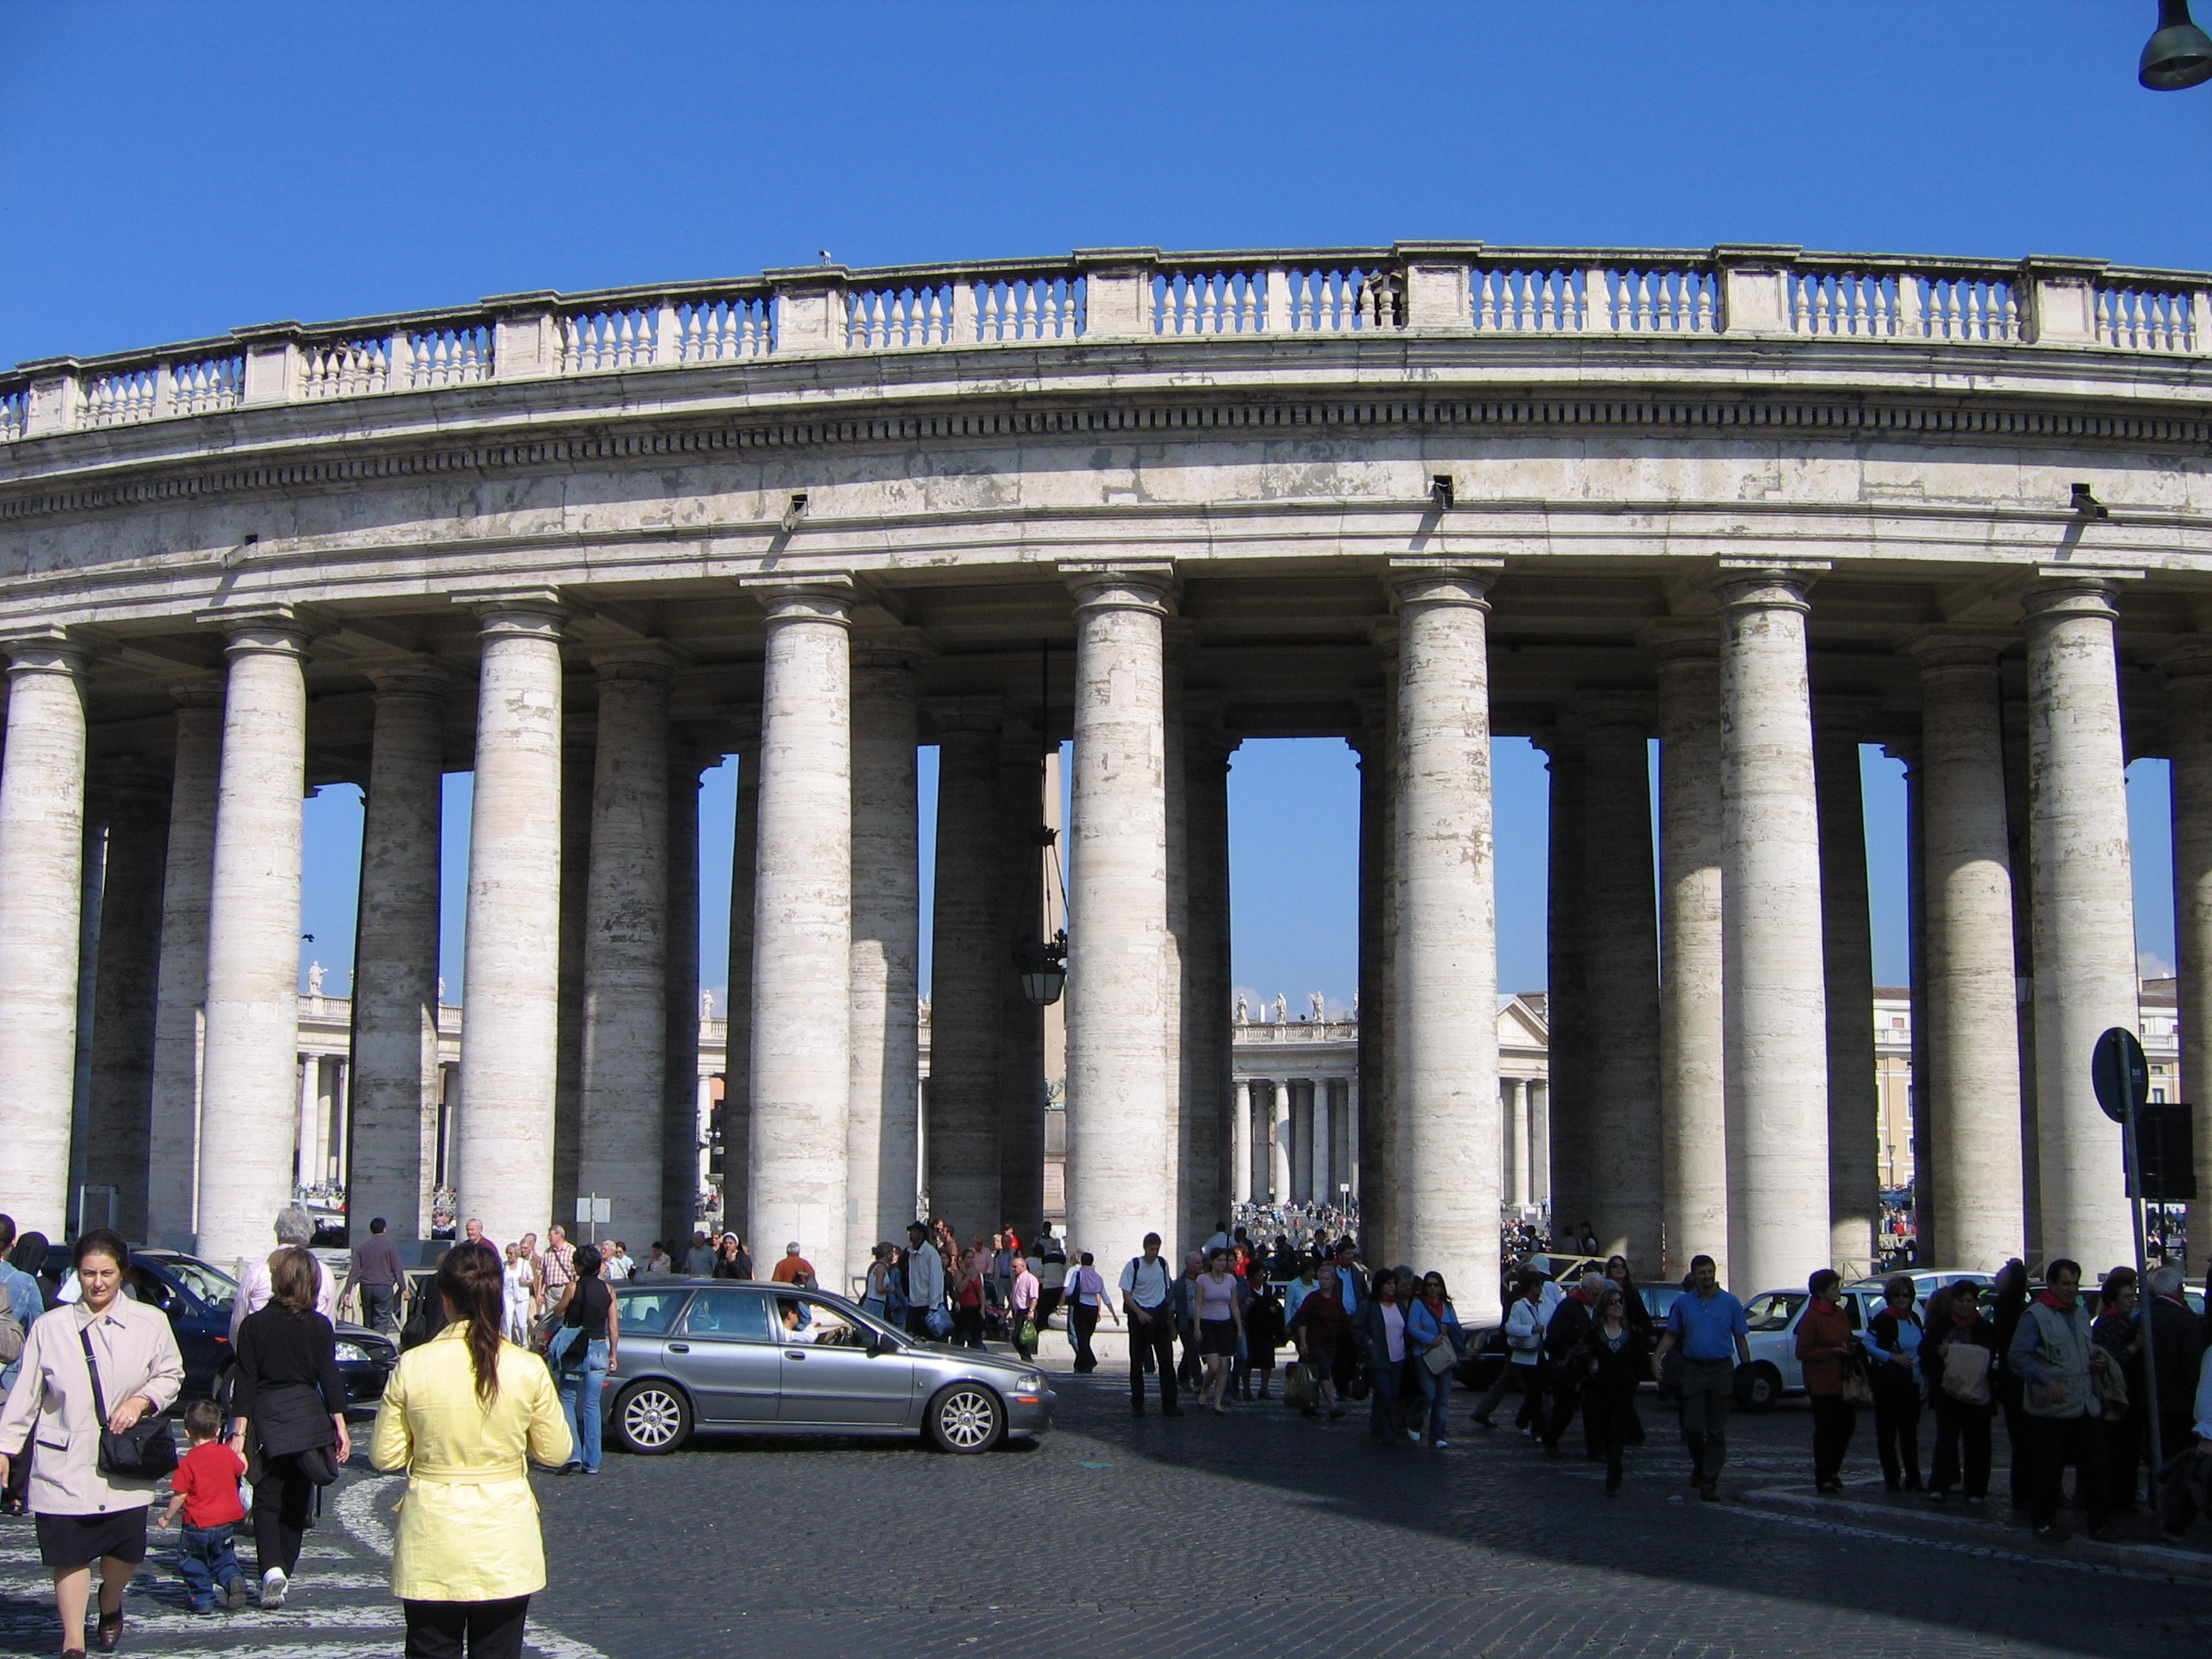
(1565, 1001)
(1120, 1088)
(172, 1138)
(738, 1056)
(1540, 1142)
(884, 1111)
(1302, 1140)
(1776, 1010)
(967, 930)
(1341, 1139)
(1208, 1038)
(123, 1010)
(1240, 1178)
(625, 1077)
(1693, 1102)
(1447, 934)
(1620, 969)
(2189, 740)
(579, 725)
(1516, 1136)
(253, 939)
(1280, 1132)
(1175, 638)
(395, 974)
(2014, 711)
(1374, 745)
(502, 1145)
(681, 1085)
(1021, 1022)
(2085, 943)
(1971, 1177)
(42, 780)
(1847, 947)
(803, 926)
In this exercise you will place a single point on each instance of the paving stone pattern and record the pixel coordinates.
(1260, 1534)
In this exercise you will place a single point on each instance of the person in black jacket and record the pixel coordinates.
(1565, 1360)
(1618, 1355)
(2177, 1350)
(1893, 1345)
(1954, 1316)
(289, 1405)
(2005, 1315)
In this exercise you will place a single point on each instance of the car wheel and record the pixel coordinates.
(964, 1418)
(222, 1389)
(1760, 1390)
(651, 1417)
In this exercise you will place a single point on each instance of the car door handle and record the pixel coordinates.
(679, 1348)
(792, 1353)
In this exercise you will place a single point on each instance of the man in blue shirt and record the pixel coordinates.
(1709, 1323)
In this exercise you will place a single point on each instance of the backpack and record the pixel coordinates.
(11, 1333)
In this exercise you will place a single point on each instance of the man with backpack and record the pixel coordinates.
(1148, 1300)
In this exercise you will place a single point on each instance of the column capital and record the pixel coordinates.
(1596, 710)
(1954, 646)
(516, 613)
(889, 647)
(44, 651)
(1113, 584)
(262, 631)
(1426, 582)
(1677, 639)
(2188, 662)
(1561, 742)
(408, 676)
(1382, 635)
(1839, 715)
(646, 661)
(1766, 584)
(983, 712)
(2059, 591)
(1906, 749)
(200, 691)
(822, 595)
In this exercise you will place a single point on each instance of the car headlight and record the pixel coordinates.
(1029, 1385)
(352, 1354)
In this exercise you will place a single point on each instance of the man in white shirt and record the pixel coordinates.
(924, 1281)
(1086, 1300)
(1148, 1298)
(295, 1227)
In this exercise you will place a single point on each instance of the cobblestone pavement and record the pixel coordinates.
(1260, 1534)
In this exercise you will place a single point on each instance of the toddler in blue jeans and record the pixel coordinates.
(205, 1487)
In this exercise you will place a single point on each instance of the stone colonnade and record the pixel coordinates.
(1700, 1098)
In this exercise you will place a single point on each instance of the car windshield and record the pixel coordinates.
(217, 1290)
(1774, 1310)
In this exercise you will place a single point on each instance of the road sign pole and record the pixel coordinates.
(2131, 1139)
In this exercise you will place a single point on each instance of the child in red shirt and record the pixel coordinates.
(205, 1487)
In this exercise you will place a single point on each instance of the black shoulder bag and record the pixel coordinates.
(146, 1450)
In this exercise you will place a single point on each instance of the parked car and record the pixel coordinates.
(1926, 1281)
(744, 1356)
(198, 1298)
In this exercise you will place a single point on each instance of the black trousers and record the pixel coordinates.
(1961, 1428)
(1082, 1320)
(2057, 1441)
(1564, 1401)
(284, 1509)
(1154, 1336)
(1897, 1429)
(2020, 1435)
(1833, 1422)
(482, 1630)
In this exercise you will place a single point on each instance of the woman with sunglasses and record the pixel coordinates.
(1430, 1323)
(1621, 1355)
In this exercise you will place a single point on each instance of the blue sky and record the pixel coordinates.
(175, 171)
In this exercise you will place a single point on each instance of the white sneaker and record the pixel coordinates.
(273, 1585)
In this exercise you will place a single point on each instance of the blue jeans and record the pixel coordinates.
(207, 1557)
(1436, 1388)
(579, 1402)
(1382, 1404)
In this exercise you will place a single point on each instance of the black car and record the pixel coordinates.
(198, 1298)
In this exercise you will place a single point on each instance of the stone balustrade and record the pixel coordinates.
(1134, 294)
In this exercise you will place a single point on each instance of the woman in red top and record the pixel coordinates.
(1824, 1346)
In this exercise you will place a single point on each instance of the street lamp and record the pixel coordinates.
(1044, 974)
(2179, 55)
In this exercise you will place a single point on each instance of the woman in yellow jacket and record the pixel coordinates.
(461, 1414)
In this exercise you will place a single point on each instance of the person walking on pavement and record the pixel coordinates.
(376, 1267)
(1524, 1356)
(1824, 1347)
(289, 1411)
(1021, 1308)
(1086, 1300)
(463, 1415)
(1190, 1367)
(1619, 1353)
(1707, 1323)
(1321, 1328)
(925, 1282)
(1568, 1361)
(1380, 1327)
(556, 1269)
(583, 1350)
(1893, 1337)
(295, 1228)
(1961, 1390)
(2056, 1360)
(2118, 1329)
(2178, 1346)
(1218, 1311)
(102, 1353)
(1433, 1332)
(1352, 1290)
(1148, 1303)
(699, 1260)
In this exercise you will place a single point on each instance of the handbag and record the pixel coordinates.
(1438, 1357)
(2111, 1388)
(1300, 1387)
(1966, 1373)
(146, 1450)
(1856, 1387)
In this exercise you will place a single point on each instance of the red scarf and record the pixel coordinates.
(1964, 1316)
(2050, 1301)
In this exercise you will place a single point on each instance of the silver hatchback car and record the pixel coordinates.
(749, 1358)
